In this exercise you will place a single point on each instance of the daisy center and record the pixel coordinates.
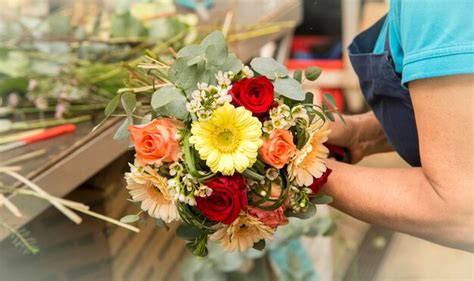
(226, 140)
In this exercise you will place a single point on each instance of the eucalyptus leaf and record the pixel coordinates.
(309, 97)
(129, 102)
(191, 50)
(175, 108)
(308, 213)
(289, 88)
(129, 218)
(182, 75)
(298, 75)
(312, 73)
(216, 48)
(122, 131)
(321, 199)
(186, 232)
(112, 105)
(195, 60)
(232, 63)
(269, 67)
(165, 95)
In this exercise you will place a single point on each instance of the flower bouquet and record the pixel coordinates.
(230, 151)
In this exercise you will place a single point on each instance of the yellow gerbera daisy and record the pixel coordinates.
(151, 189)
(310, 161)
(229, 140)
(242, 233)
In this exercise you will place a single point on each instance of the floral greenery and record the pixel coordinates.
(72, 60)
(183, 88)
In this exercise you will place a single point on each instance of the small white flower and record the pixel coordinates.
(247, 72)
(202, 86)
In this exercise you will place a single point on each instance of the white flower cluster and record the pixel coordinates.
(187, 188)
(247, 72)
(282, 117)
(207, 98)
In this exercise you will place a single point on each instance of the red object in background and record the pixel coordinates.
(303, 44)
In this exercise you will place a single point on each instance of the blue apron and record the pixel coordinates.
(381, 87)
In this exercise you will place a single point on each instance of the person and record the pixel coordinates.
(415, 68)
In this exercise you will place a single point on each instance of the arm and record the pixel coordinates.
(363, 135)
(434, 202)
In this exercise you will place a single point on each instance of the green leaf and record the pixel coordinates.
(232, 64)
(191, 50)
(187, 232)
(8, 85)
(162, 224)
(125, 25)
(321, 199)
(59, 25)
(289, 88)
(269, 67)
(312, 73)
(112, 105)
(330, 98)
(298, 75)
(328, 112)
(122, 131)
(309, 97)
(129, 218)
(196, 60)
(182, 75)
(129, 102)
(175, 108)
(164, 96)
(216, 48)
(308, 213)
(260, 245)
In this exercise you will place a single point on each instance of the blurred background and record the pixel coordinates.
(62, 61)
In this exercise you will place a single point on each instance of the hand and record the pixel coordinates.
(363, 135)
(344, 135)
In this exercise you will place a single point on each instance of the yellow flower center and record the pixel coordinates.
(226, 140)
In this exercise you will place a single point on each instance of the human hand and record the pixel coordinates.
(345, 135)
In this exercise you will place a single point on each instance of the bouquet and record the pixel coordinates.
(228, 150)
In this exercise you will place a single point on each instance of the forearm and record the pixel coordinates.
(401, 199)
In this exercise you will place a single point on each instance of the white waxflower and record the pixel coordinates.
(247, 72)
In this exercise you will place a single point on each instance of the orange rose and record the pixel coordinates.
(272, 218)
(278, 148)
(156, 141)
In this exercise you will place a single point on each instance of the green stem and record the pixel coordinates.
(189, 156)
(48, 123)
(24, 241)
(72, 108)
(253, 175)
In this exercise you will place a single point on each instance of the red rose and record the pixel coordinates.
(255, 94)
(319, 182)
(228, 198)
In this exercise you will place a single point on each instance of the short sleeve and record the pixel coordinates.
(435, 36)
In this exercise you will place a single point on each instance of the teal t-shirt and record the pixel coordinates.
(430, 38)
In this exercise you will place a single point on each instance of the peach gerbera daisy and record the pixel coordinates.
(146, 185)
(310, 161)
(242, 233)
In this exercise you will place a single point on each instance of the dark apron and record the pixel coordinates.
(382, 89)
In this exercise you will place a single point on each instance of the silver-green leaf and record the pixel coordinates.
(289, 88)
(269, 67)
(164, 96)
